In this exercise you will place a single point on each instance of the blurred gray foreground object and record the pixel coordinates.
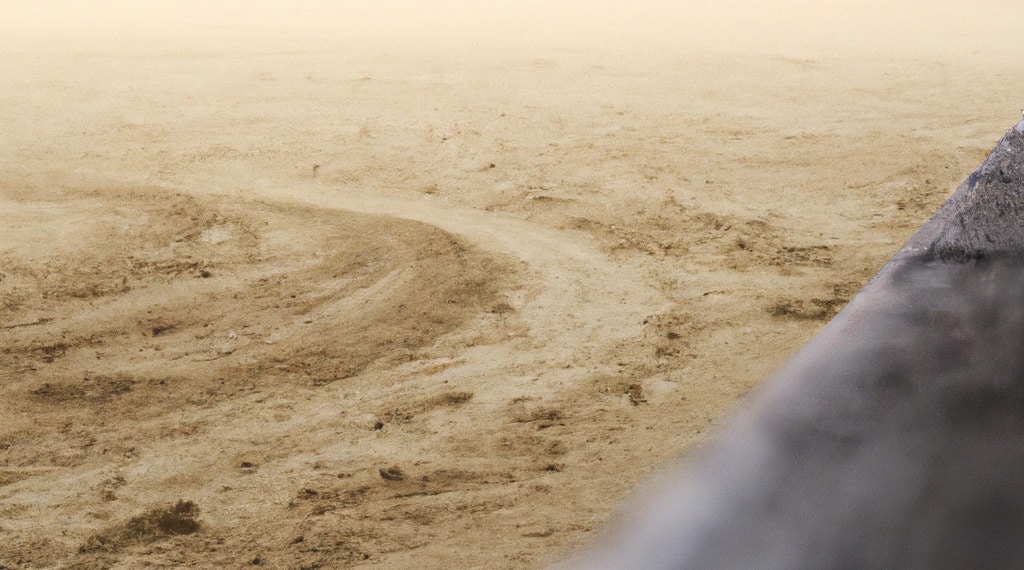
(893, 439)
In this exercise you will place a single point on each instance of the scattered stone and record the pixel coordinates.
(392, 473)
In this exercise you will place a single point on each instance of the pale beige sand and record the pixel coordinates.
(254, 257)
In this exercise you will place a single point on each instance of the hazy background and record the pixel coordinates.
(914, 28)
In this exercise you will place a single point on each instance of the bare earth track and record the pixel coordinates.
(317, 304)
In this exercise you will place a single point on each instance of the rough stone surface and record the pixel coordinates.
(986, 213)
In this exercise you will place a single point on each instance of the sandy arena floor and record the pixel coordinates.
(411, 290)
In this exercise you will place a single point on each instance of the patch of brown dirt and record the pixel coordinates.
(155, 524)
(169, 311)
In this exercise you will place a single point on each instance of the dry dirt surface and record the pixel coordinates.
(284, 288)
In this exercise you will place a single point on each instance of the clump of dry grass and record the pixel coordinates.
(152, 525)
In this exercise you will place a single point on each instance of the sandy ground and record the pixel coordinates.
(414, 289)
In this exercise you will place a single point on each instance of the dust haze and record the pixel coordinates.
(331, 284)
(838, 26)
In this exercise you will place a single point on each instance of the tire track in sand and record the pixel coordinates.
(577, 302)
(579, 308)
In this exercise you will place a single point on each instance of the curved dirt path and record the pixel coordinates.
(577, 299)
(492, 425)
